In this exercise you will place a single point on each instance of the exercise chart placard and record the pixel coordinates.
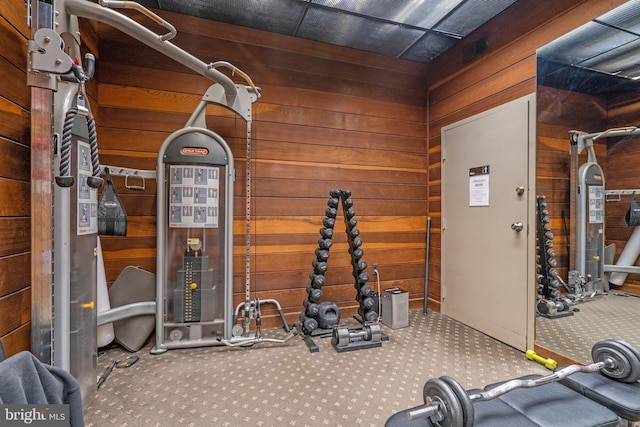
(87, 204)
(194, 196)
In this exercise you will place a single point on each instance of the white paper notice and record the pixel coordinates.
(479, 190)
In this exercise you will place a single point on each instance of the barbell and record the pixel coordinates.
(448, 404)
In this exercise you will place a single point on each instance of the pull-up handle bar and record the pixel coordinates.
(89, 10)
(146, 12)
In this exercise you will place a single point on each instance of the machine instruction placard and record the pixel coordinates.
(193, 196)
(87, 196)
(479, 186)
(596, 204)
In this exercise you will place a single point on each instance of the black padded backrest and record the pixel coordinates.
(621, 398)
(553, 404)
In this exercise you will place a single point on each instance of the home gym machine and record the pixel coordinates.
(447, 403)
(58, 335)
(63, 136)
(588, 195)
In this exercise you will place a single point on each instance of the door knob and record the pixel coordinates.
(517, 226)
(520, 190)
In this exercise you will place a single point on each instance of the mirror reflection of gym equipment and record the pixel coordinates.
(193, 305)
(581, 90)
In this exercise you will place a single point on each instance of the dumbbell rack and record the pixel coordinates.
(318, 317)
(551, 304)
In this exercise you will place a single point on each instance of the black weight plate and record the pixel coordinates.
(626, 344)
(437, 391)
(627, 364)
(463, 398)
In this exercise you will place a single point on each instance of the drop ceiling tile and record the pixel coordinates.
(624, 17)
(471, 15)
(429, 47)
(278, 16)
(343, 29)
(418, 13)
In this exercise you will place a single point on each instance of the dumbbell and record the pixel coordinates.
(319, 267)
(322, 255)
(309, 323)
(342, 336)
(326, 233)
(448, 404)
(315, 295)
(317, 280)
(325, 243)
(328, 222)
(333, 202)
(347, 203)
(548, 363)
(356, 243)
(356, 253)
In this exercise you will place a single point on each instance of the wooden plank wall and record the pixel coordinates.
(506, 71)
(15, 190)
(620, 166)
(328, 118)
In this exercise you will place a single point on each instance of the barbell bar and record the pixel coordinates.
(448, 404)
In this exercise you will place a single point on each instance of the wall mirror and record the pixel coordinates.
(589, 81)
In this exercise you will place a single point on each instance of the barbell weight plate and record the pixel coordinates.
(626, 344)
(340, 336)
(627, 363)
(450, 413)
(463, 398)
(375, 333)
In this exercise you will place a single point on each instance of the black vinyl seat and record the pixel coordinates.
(548, 405)
(621, 398)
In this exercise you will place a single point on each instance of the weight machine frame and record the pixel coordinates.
(55, 42)
(584, 141)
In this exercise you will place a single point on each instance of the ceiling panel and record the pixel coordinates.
(417, 30)
(587, 44)
(428, 48)
(471, 15)
(339, 28)
(276, 16)
(624, 17)
(419, 13)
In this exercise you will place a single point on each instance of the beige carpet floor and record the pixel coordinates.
(602, 317)
(287, 385)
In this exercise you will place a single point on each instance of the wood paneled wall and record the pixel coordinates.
(620, 165)
(15, 190)
(507, 71)
(328, 118)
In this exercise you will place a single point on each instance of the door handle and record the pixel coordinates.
(517, 226)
